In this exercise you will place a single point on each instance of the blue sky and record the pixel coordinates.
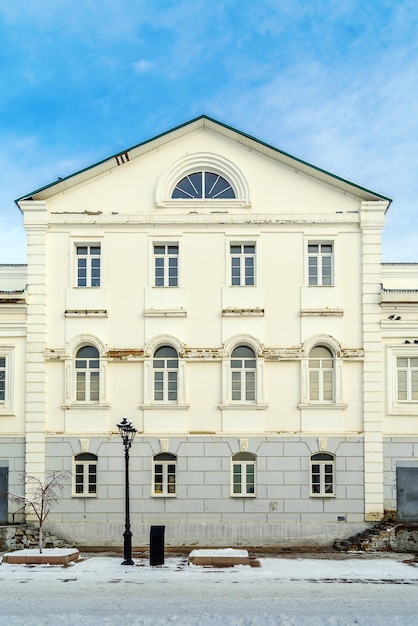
(333, 82)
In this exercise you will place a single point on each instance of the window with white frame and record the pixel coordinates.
(2, 378)
(87, 374)
(242, 264)
(6, 380)
(203, 185)
(321, 374)
(407, 378)
(166, 265)
(88, 265)
(164, 474)
(322, 474)
(165, 370)
(243, 474)
(320, 264)
(243, 374)
(85, 474)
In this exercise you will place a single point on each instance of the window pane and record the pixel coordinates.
(250, 478)
(94, 386)
(236, 478)
(402, 386)
(81, 386)
(414, 385)
(250, 386)
(313, 386)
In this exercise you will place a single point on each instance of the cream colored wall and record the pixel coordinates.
(300, 209)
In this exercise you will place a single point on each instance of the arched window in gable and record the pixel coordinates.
(203, 185)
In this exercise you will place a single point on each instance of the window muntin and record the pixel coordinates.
(242, 264)
(165, 367)
(85, 474)
(321, 375)
(203, 185)
(243, 374)
(164, 475)
(407, 378)
(2, 378)
(243, 474)
(166, 265)
(320, 264)
(322, 474)
(88, 265)
(87, 368)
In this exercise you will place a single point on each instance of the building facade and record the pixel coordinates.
(231, 301)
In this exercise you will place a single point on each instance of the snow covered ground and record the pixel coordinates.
(98, 590)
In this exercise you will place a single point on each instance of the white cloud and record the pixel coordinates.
(142, 66)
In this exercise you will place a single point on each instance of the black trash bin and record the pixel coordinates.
(156, 545)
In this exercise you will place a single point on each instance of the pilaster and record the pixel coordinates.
(371, 224)
(35, 222)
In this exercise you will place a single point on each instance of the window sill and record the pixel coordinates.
(243, 495)
(84, 495)
(5, 411)
(404, 409)
(85, 406)
(244, 406)
(163, 495)
(322, 495)
(323, 405)
(164, 406)
(165, 312)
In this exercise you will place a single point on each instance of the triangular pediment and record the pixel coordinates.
(248, 142)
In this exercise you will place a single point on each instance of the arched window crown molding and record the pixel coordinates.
(242, 340)
(163, 340)
(321, 340)
(84, 340)
(201, 161)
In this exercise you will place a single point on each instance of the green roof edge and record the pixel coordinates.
(192, 121)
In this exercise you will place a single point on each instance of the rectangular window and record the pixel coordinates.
(243, 386)
(164, 478)
(407, 379)
(166, 265)
(243, 478)
(2, 378)
(242, 265)
(322, 475)
(88, 266)
(320, 264)
(85, 475)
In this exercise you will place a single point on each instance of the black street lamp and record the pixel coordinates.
(127, 432)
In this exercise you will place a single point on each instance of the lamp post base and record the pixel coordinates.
(127, 548)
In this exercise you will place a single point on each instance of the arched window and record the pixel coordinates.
(164, 474)
(165, 369)
(321, 375)
(203, 185)
(87, 368)
(85, 474)
(243, 374)
(243, 474)
(322, 474)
